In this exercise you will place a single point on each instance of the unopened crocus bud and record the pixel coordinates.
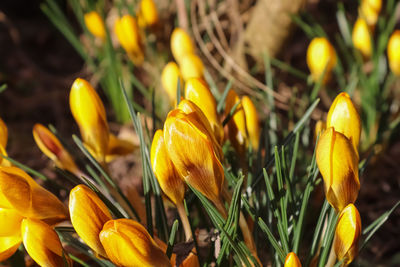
(8, 246)
(361, 37)
(43, 244)
(197, 91)
(95, 24)
(127, 32)
(20, 192)
(292, 260)
(165, 171)
(338, 163)
(252, 123)
(148, 14)
(89, 113)
(52, 148)
(169, 79)
(127, 243)
(347, 235)
(393, 52)
(191, 66)
(3, 134)
(237, 124)
(321, 59)
(369, 10)
(181, 44)
(88, 215)
(344, 118)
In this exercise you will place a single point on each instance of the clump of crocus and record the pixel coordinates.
(393, 52)
(361, 37)
(321, 59)
(170, 77)
(292, 260)
(3, 143)
(347, 234)
(148, 14)
(95, 24)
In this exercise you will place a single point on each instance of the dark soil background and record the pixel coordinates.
(38, 65)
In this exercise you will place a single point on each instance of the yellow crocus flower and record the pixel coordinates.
(321, 56)
(347, 234)
(320, 126)
(169, 80)
(338, 164)
(344, 118)
(148, 14)
(8, 246)
(393, 52)
(252, 122)
(127, 243)
(181, 44)
(369, 10)
(95, 24)
(191, 66)
(43, 244)
(361, 37)
(88, 215)
(292, 260)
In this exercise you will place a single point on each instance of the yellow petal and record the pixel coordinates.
(321, 56)
(361, 37)
(197, 91)
(292, 260)
(8, 246)
(27, 197)
(237, 124)
(118, 147)
(95, 24)
(88, 215)
(252, 123)
(393, 51)
(89, 113)
(369, 10)
(191, 66)
(149, 13)
(338, 164)
(3, 161)
(344, 118)
(320, 126)
(169, 80)
(10, 222)
(347, 235)
(127, 243)
(181, 44)
(3, 134)
(167, 176)
(52, 148)
(43, 244)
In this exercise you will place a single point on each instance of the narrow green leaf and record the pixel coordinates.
(171, 240)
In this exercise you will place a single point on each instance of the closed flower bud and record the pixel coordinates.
(43, 244)
(27, 197)
(181, 44)
(252, 124)
(8, 246)
(127, 243)
(167, 176)
(88, 215)
(369, 10)
(292, 260)
(361, 37)
(393, 51)
(148, 14)
(89, 113)
(338, 164)
(237, 124)
(95, 24)
(169, 80)
(52, 148)
(321, 59)
(191, 66)
(3, 134)
(197, 91)
(344, 118)
(347, 235)
(127, 32)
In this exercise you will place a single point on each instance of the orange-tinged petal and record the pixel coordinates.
(344, 118)
(237, 124)
(292, 260)
(191, 66)
(148, 13)
(393, 51)
(43, 244)
(181, 44)
(361, 37)
(3, 161)
(167, 176)
(118, 147)
(338, 164)
(8, 246)
(27, 197)
(252, 123)
(321, 56)
(95, 24)
(347, 235)
(127, 243)
(88, 215)
(3, 134)
(169, 80)
(10, 222)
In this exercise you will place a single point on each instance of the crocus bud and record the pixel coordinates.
(8, 246)
(292, 260)
(95, 24)
(252, 124)
(197, 91)
(321, 57)
(52, 148)
(27, 197)
(344, 118)
(88, 215)
(127, 243)
(127, 32)
(237, 124)
(167, 176)
(3, 134)
(43, 244)
(338, 163)
(347, 235)
(89, 113)
(190, 147)
(393, 51)
(191, 66)
(148, 14)
(181, 44)
(361, 37)
(169, 80)
(369, 10)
